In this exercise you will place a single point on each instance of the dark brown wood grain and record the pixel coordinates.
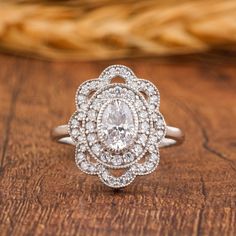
(42, 192)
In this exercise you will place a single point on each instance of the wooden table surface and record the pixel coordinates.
(193, 191)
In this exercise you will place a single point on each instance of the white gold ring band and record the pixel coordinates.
(174, 136)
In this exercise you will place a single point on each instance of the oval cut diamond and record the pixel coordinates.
(117, 126)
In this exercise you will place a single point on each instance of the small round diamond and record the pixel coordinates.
(138, 149)
(139, 104)
(74, 123)
(96, 105)
(117, 160)
(153, 157)
(80, 156)
(151, 89)
(85, 89)
(128, 157)
(160, 132)
(92, 138)
(104, 157)
(105, 176)
(143, 114)
(130, 95)
(90, 126)
(144, 126)
(75, 132)
(82, 147)
(81, 115)
(152, 148)
(96, 148)
(92, 115)
(149, 166)
(83, 106)
(154, 99)
(80, 138)
(153, 139)
(154, 116)
(143, 139)
(92, 168)
(81, 99)
(160, 122)
(152, 107)
(117, 90)
(84, 165)
(93, 85)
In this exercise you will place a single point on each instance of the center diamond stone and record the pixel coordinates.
(117, 124)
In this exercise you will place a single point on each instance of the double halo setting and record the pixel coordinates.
(117, 126)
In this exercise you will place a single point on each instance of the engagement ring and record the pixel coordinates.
(117, 127)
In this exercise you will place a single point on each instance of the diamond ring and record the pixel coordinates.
(117, 127)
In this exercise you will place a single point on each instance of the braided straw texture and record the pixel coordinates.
(103, 29)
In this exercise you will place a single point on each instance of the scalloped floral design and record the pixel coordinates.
(93, 154)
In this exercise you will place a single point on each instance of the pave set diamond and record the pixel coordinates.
(117, 126)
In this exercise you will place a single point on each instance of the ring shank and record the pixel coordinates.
(174, 136)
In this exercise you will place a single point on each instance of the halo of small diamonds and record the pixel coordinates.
(84, 164)
(116, 125)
